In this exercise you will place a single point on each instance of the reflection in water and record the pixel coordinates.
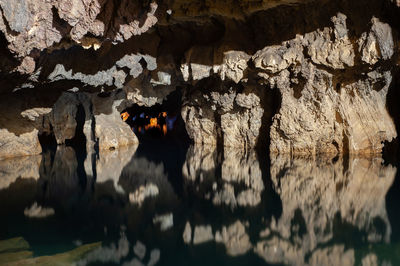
(22, 167)
(108, 165)
(241, 180)
(205, 206)
(322, 202)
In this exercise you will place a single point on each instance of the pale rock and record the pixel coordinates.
(233, 66)
(12, 145)
(202, 234)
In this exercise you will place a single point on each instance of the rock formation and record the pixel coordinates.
(315, 82)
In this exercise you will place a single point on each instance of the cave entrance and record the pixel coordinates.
(160, 121)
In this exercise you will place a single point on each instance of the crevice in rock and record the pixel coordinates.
(78, 142)
(48, 140)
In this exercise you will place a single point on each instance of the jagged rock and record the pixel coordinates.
(377, 44)
(237, 119)
(31, 24)
(27, 66)
(110, 131)
(126, 31)
(12, 145)
(323, 111)
(102, 121)
(110, 77)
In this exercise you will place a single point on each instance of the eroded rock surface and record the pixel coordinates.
(323, 109)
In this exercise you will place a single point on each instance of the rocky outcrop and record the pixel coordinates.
(323, 109)
(99, 119)
(250, 75)
(225, 116)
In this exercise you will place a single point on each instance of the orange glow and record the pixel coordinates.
(153, 123)
(164, 129)
(164, 114)
(125, 116)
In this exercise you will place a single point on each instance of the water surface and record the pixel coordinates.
(166, 203)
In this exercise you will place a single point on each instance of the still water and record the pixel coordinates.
(165, 203)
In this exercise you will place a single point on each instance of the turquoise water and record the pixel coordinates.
(243, 208)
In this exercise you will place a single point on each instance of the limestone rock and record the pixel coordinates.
(377, 44)
(324, 111)
(102, 121)
(12, 145)
(110, 131)
(233, 116)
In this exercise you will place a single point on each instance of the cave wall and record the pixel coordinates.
(288, 77)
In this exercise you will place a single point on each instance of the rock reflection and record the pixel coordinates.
(108, 165)
(60, 174)
(21, 167)
(143, 179)
(237, 183)
(322, 200)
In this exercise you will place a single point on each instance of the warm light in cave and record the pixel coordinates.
(125, 116)
(153, 123)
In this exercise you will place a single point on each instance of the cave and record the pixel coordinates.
(160, 121)
(224, 132)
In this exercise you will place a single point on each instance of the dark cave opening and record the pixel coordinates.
(160, 121)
